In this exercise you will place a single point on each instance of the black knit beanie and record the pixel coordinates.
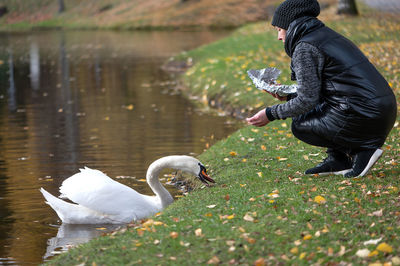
(290, 10)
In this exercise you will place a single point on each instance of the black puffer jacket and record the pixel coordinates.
(357, 106)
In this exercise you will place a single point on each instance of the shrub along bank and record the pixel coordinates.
(263, 209)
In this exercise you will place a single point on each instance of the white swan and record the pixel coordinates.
(101, 200)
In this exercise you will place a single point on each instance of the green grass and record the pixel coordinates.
(291, 228)
(263, 210)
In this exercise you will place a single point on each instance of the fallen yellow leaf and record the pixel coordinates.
(263, 147)
(294, 250)
(307, 237)
(384, 248)
(149, 222)
(320, 200)
(325, 230)
(373, 253)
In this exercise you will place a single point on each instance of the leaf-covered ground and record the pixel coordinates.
(263, 209)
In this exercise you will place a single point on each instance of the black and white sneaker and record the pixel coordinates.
(335, 163)
(363, 161)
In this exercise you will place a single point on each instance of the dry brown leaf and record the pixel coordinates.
(214, 260)
(173, 235)
(248, 218)
(342, 251)
(309, 226)
(372, 241)
(198, 232)
(251, 240)
(330, 251)
(377, 213)
(230, 242)
(363, 253)
(260, 262)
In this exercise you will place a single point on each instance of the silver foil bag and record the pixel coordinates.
(265, 79)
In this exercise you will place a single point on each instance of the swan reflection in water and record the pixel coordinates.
(71, 235)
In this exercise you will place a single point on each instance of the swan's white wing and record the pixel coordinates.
(95, 190)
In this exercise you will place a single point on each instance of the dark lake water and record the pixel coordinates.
(96, 99)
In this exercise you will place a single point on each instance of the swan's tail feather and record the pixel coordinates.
(76, 214)
(59, 206)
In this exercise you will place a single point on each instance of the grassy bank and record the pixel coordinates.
(263, 210)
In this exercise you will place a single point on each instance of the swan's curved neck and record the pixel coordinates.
(152, 177)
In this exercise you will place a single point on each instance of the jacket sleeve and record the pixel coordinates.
(308, 63)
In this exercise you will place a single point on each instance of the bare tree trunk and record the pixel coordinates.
(61, 6)
(347, 7)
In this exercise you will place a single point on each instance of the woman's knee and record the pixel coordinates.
(304, 132)
(298, 130)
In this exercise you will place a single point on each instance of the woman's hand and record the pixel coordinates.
(275, 95)
(260, 119)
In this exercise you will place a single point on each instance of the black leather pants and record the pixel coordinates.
(327, 127)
